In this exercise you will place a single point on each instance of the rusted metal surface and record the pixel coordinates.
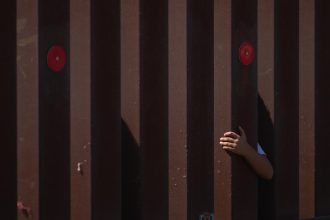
(105, 109)
(54, 114)
(322, 108)
(200, 107)
(222, 108)
(80, 117)
(266, 193)
(154, 108)
(266, 53)
(8, 110)
(130, 109)
(27, 109)
(177, 110)
(286, 125)
(306, 109)
(130, 78)
(244, 108)
(147, 89)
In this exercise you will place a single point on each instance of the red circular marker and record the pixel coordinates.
(246, 53)
(56, 58)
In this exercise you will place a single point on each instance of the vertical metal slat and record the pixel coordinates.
(27, 110)
(306, 109)
(130, 109)
(177, 109)
(222, 108)
(80, 117)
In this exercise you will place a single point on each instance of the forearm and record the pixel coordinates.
(238, 144)
(259, 163)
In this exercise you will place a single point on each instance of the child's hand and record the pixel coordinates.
(238, 144)
(235, 143)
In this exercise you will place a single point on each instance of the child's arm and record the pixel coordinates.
(238, 144)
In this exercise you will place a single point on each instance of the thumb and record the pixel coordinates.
(243, 135)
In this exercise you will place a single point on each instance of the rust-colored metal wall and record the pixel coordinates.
(130, 109)
(177, 107)
(80, 111)
(129, 128)
(27, 109)
(307, 109)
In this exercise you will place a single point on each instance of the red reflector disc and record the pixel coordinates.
(56, 58)
(246, 53)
